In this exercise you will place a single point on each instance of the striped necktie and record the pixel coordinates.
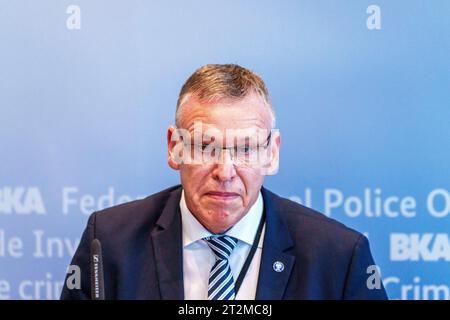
(221, 282)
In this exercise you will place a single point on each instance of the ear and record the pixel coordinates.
(173, 158)
(271, 168)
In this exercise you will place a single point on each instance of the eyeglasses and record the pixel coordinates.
(242, 154)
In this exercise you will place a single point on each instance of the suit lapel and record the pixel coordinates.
(272, 284)
(168, 249)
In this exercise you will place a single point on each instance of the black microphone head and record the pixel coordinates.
(97, 281)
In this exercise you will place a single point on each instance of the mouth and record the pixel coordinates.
(222, 196)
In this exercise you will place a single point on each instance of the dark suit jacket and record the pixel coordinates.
(142, 252)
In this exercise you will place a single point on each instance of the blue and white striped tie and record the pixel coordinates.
(221, 282)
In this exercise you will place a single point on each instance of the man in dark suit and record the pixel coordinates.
(220, 235)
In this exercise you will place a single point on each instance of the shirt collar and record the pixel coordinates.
(244, 230)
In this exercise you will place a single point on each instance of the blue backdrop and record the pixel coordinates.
(361, 91)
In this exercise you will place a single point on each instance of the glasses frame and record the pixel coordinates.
(194, 147)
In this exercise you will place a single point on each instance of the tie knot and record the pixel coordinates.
(221, 246)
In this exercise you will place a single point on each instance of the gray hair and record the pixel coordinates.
(223, 81)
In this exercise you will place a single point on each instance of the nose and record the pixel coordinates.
(224, 170)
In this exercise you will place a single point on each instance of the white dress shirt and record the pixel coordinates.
(198, 258)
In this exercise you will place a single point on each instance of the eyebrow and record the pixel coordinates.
(247, 136)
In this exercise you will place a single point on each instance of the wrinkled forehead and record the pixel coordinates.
(247, 113)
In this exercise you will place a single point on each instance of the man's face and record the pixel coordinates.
(220, 193)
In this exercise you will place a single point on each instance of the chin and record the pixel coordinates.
(219, 221)
(220, 213)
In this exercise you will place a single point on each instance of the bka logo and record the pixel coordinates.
(415, 247)
(21, 200)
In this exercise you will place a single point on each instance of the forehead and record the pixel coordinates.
(250, 111)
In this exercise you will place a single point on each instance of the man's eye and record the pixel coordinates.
(243, 149)
(202, 146)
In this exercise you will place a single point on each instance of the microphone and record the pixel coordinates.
(97, 281)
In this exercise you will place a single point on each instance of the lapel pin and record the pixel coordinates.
(278, 266)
